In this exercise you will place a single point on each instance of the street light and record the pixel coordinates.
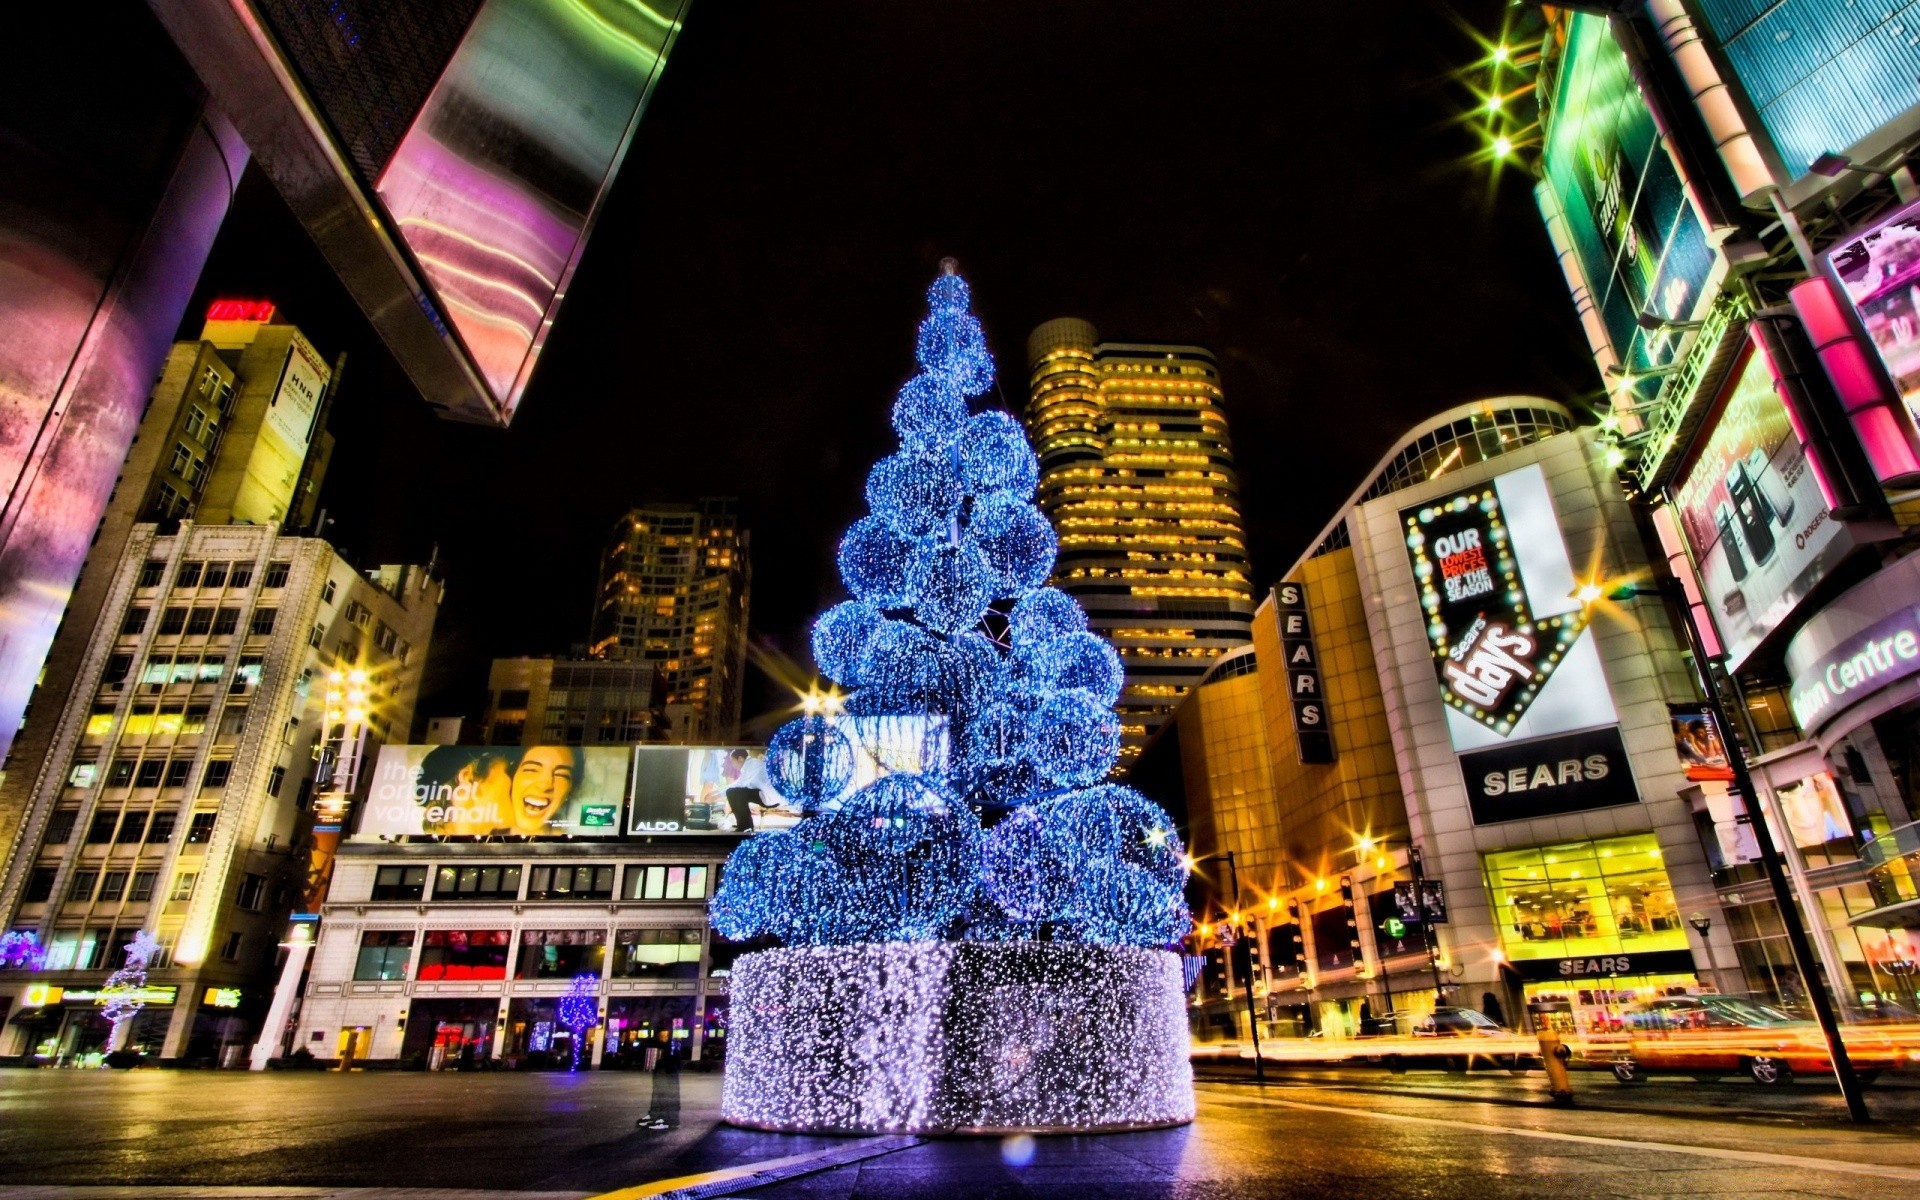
(1771, 860)
(1701, 922)
(1253, 1018)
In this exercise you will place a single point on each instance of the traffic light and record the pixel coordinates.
(1353, 918)
(1215, 972)
(1243, 953)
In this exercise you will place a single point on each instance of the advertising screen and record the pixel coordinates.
(1640, 245)
(1880, 272)
(1752, 512)
(482, 791)
(1528, 708)
(725, 789)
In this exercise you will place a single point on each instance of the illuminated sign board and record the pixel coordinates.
(487, 791)
(260, 311)
(1528, 708)
(218, 997)
(1880, 655)
(1641, 246)
(725, 789)
(1750, 507)
(1879, 270)
(139, 995)
(1310, 730)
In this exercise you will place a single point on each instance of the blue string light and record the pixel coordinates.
(953, 585)
(1017, 540)
(995, 457)
(580, 1011)
(1073, 739)
(1045, 613)
(1075, 660)
(840, 637)
(915, 494)
(874, 562)
(929, 413)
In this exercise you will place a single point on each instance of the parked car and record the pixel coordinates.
(1713, 1036)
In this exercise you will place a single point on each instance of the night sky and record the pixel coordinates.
(1288, 184)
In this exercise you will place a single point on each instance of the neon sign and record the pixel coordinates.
(241, 310)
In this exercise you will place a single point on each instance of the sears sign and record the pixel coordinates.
(1548, 776)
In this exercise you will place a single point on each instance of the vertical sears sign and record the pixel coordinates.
(1527, 701)
(1310, 728)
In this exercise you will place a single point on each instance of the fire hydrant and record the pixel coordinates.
(1554, 1057)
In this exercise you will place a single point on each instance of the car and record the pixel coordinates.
(1459, 1037)
(1712, 1036)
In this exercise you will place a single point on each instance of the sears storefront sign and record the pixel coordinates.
(1311, 732)
(1528, 708)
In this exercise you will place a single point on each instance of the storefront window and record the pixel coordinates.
(666, 883)
(465, 954)
(1580, 899)
(561, 953)
(384, 954)
(657, 953)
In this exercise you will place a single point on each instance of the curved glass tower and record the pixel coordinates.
(1136, 474)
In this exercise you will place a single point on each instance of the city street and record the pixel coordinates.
(103, 1136)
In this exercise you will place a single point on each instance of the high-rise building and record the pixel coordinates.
(232, 435)
(674, 588)
(1136, 473)
(173, 797)
(571, 701)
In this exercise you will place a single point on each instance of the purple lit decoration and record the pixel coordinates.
(121, 995)
(580, 1010)
(20, 950)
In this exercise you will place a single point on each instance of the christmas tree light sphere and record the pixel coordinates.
(1018, 541)
(809, 762)
(1043, 614)
(874, 561)
(914, 493)
(949, 295)
(840, 637)
(1076, 660)
(995, 456)
(929, 413)
(954, 584)
(1076, 739)
(952, 345)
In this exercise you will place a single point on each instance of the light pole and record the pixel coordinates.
(1253, 1017)
(1701, 923)
(1428, 940)
(1770, 859)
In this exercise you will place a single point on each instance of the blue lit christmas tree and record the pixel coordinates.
(1011, 835)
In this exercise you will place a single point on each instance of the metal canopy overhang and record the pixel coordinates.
(246, 75)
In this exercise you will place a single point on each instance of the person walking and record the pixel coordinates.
(664, 1111)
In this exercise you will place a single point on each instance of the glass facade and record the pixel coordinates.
(1584, 899)
(1821, 74)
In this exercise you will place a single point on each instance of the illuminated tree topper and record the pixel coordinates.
(1011, 834)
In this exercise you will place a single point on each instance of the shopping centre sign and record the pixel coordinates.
(1879, 655)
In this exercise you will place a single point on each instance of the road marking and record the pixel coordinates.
(1880, 1170)
(760, 1174)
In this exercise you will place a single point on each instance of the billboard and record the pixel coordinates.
(1528, 707)
(488, 791)
(726, 789)
(272, 472)
(1751, 510)
(1880, 272)
(1641, 246)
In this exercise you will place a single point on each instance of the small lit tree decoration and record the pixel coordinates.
(121, 995)
(20, 950)
(580, 1010)
(1010, 842)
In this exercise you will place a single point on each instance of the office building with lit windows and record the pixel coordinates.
(173, 797)
(1136, 474)
(674, 587)
(233, 434)
(571, 701)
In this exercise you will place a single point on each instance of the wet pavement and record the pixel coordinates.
(105, 1135)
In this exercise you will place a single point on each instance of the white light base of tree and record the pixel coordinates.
(957, 1037)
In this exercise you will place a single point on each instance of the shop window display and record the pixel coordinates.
(640, 1028)
(561, 953)
(1585, 898)
(384, 954)
(465, 954)
(657, 953)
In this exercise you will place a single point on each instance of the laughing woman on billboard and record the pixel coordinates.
(543, 782)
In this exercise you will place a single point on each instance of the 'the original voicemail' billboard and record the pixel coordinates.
(484, 791)
(1528, 709)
